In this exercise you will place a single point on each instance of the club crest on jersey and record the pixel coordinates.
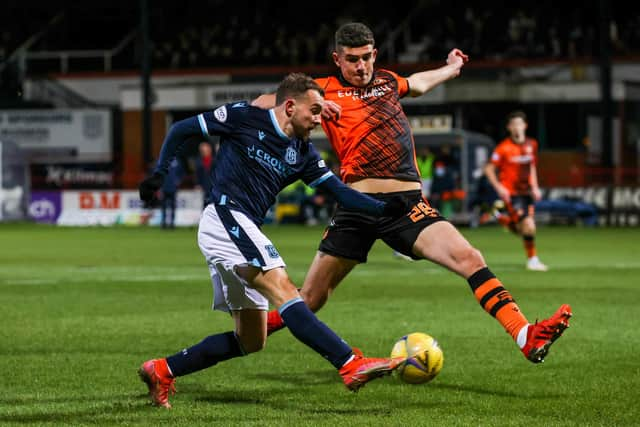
(291, 156)
(272, 251)
(260, 135)
(221, 114)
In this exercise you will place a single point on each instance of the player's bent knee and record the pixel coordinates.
(471, 259)
(528, 229)
(252, 345)
(314, 300)
(254, 348)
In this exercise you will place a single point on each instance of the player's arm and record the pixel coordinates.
(535, 188)
(424, 81)
(330, 109)
(492, 177)
(179, 134)
(355, 200)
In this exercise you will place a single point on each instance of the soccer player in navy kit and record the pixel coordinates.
(261, 152)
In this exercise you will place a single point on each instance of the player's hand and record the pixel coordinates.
(456, 59)
(503, 193)
(331, 110)
(537, 195)
(455, 54)
(397, 206)
(149, 187)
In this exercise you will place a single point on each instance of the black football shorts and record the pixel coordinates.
(520, 207)
(351, 234)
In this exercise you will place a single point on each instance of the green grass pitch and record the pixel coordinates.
(83, 307)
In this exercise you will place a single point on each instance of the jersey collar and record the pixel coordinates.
(276, 126)
(344, 82)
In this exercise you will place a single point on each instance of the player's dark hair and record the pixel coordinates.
(353, 34)
(517, 114)
(295, 85)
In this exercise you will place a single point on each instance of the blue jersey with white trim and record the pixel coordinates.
(256, 160)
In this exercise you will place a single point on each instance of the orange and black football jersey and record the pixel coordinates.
(514, 162)
(372, 137)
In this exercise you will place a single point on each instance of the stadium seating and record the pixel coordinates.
(214, 33)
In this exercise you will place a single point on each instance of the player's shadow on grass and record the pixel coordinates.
(222, 394)
(488, 391)
(309, 378)
(230, 397)
(279, 398)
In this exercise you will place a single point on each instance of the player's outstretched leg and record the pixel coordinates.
(542, 334)
(355, 369)
(360, 370)
(156, 374)
(533, 340)
(160, 374)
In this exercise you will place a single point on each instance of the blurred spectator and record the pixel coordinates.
(425, 166)
(170, 193)
(482, 203)
(445, 156)
(316, 206)
(204, 164)
(442, 188)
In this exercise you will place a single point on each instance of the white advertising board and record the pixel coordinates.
(61, 136)
(83, 208)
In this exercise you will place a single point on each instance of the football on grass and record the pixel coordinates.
(424, 358)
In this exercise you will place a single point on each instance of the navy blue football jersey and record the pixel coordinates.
(256, 160)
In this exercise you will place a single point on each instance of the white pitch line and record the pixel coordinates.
(133, 278)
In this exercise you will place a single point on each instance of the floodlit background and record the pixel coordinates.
(89, 90)
(91, 285)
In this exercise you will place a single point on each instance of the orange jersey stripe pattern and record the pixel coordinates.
(372, 138)
(514, 162)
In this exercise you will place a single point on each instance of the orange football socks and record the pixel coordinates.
(497, 301)
(529, 246)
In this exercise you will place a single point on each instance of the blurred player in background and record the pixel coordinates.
(512, 173)
(371, 136)
(261, 152)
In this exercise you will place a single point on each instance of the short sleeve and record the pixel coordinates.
(534, 144)
(403, 83)
(497, 155)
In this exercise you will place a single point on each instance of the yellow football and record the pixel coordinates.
(424, 358)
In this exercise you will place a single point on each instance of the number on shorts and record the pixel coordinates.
(421, 210)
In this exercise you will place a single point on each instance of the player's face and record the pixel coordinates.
(307, 114)
(517, 128)
(356, 63)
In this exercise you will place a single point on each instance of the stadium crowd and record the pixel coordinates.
(214, 33)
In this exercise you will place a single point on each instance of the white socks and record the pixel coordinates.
(522, 336)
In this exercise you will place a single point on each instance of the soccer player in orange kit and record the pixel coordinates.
(513, 174)
(371, 136)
